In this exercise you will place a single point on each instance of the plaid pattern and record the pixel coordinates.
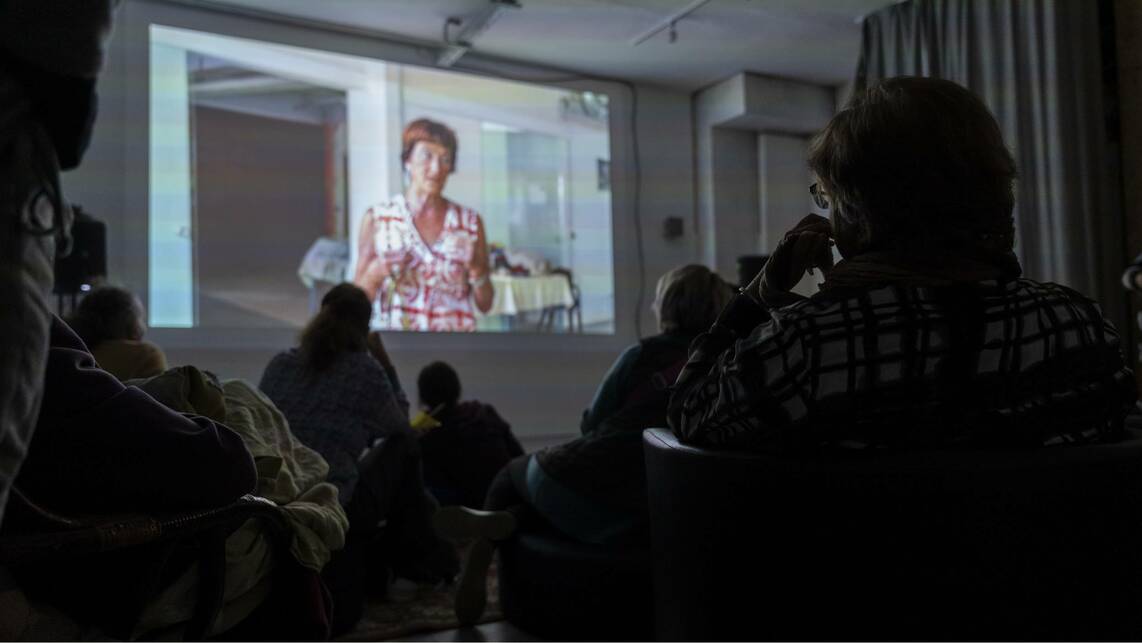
(1015, 363)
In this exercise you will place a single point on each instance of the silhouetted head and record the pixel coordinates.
(917, 167)
(438, 385)
(689, 298)
(108, 313)
(341, 326)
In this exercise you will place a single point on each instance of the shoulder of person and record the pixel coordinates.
(287, 356)
(634, 350)
(485, 413)
(393, 207)
(466, 217)
(150, 347)
(664, 341)
(1030, 287)
(1045, 294)
(286, 360)
(364, 363)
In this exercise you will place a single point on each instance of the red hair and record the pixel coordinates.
(423, 129)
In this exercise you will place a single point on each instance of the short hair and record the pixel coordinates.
(341, 326)
(106, 313)
(438, 385)
(918, 165)
(688, 299)
(423, 129)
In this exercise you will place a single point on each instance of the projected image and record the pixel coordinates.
(458, 203)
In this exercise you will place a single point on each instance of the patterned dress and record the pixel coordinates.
(429, 291)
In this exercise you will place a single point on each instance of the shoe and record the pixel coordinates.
(472, 589)
(482, 527)
(462, 523)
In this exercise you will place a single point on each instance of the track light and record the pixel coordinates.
(456, 47)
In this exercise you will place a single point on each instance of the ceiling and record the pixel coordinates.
(811, 40)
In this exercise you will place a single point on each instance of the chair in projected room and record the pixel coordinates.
(574, 310)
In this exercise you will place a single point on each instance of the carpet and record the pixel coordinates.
(430, 611)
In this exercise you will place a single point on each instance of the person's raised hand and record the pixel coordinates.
(806, 246)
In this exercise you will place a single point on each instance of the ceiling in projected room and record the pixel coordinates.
(812, 40)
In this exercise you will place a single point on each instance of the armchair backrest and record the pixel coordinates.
(1036, 543)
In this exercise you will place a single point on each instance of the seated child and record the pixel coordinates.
(464, 444)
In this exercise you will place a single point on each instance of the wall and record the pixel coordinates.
(745, 199)
(539, 383)
(784, 178)
(736, 196)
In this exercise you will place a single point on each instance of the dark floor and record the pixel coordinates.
(498, 631)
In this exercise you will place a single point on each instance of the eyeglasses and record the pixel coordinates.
(421, 155)
(820, 197)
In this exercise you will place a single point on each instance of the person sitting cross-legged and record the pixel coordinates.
(342, 398)
(463, 443)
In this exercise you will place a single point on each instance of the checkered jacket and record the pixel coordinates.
(1014, 363)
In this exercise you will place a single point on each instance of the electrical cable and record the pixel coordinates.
(637, 208)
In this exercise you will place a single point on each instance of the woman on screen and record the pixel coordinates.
(422, 258)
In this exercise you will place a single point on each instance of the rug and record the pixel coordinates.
(430, 611)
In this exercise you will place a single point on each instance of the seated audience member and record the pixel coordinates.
(464, 444)
(686, 301)
(112, 323)
(924, 335)
(72, 437)
(102, 448)
(291, 476)
(341, 396)
(593, 489)
(51, 52)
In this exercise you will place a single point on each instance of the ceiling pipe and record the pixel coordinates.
(456, 47)
(667, 23)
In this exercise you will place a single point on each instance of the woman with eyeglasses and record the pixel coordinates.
(421, 258)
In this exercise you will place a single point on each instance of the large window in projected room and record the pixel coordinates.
(458, 202)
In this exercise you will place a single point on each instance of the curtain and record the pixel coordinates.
(1037, 64)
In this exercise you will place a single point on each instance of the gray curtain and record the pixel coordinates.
(1037, 64)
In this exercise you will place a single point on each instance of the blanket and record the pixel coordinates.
(289, 474)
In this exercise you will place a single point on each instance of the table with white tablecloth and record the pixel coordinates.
(517, 294)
